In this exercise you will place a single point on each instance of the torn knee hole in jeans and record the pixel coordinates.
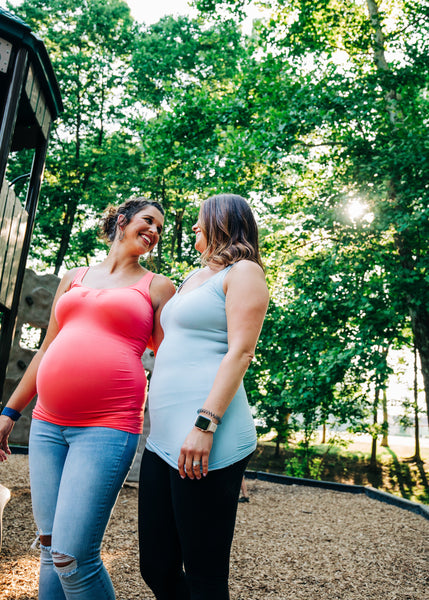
(64, 563)
(44, 541)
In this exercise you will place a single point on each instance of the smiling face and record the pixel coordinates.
(145, 228)
(200, 236)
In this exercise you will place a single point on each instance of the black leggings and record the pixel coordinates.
(186, 528)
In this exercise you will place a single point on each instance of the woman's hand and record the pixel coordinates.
(6, 426)
(26, 389)
(194, 455)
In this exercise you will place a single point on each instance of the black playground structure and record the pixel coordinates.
(30, 100)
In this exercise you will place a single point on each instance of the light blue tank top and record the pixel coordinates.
(186, 364)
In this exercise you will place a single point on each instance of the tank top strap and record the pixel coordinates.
(224, 271)
(80, 274)
(188, 276)
(143, 284)
(217, 281)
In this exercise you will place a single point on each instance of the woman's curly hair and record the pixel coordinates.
(109, 222)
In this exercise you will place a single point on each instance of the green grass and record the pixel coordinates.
(393, 474)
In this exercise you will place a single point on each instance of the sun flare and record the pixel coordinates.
(356, 209)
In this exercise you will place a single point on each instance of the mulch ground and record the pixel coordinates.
(291, 543)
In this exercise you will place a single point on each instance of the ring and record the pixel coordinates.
(195, 463)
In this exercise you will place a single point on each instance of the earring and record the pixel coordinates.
(120, 224)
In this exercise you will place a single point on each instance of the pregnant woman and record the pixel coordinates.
(91, 389)
(202, 431)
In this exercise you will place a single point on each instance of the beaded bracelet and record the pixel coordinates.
(11, 413)
(210, 413)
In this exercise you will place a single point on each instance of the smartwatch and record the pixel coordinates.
(205, 424)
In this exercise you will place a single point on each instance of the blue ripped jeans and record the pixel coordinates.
(76, 474)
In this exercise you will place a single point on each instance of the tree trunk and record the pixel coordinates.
(66, 234)
(102, 101)
(279, 440)
(78, 119)
(159, 256)
(417, 456)
(420, 326)
(373, 461)
(180, 236)
(72, 204)
(419, 315)
(392, 104)
(176, 238)
(385, 426)
(160, 241)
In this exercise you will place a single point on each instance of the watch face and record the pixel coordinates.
(202, 422)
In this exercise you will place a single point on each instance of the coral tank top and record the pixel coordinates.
(91, 373)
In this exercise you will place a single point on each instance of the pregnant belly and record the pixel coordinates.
(89, 376)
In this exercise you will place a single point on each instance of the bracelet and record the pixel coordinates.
(210, 413)
(11, 413)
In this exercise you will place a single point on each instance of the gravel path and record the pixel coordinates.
(291, 543)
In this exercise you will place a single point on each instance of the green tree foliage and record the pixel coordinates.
(322, 109)
(87, 43)
(344, 114)
(192, 137)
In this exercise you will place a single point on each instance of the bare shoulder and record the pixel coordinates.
(247, 279)
(64, 286)
(245, 271)
(247, 267)
(161, 288)
(67, 279)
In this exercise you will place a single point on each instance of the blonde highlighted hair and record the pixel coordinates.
(230, 228)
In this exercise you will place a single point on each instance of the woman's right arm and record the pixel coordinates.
(161, 290)
(26, 389)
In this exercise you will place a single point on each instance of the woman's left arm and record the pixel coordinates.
(246, 304)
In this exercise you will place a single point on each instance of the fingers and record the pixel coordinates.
(5, 429)
(4, 451)
(181, 464)
(194, 455)
(192, 466)
(196, 467)
(188, 465)
(205, 465)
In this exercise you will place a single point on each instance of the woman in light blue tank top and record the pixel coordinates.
(202, 431)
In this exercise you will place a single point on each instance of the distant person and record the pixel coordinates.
(202, 431)
(244, 497)
(91, 388)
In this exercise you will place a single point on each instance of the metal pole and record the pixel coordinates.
(9, 316)
(11, 108)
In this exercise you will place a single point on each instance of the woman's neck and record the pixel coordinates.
(214, 266)
(117, 261)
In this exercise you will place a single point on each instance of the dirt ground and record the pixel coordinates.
(291, 543)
